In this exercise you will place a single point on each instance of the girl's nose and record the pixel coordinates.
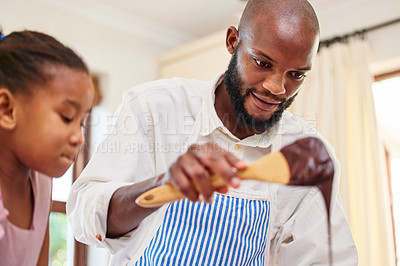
(77, 137)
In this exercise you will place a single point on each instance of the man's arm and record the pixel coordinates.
(124, 214)
(190, 174)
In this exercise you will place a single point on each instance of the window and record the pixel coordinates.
(386, 91)
(59, 254)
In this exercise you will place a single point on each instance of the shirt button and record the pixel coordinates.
(237, 146)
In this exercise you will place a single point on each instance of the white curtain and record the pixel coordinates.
(337, 100)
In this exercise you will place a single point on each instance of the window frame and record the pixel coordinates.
(378, 78)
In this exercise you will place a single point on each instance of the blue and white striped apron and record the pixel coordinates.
(230, 231)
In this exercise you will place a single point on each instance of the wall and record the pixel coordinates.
(201, 59)
(121, 59)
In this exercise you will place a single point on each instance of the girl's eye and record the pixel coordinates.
(261, 63)
(67, 120)
(298, 75)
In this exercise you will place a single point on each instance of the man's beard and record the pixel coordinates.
(233, 84)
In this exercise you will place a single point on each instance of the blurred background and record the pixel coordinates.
(351, 96)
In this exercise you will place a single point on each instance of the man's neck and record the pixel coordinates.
(223, 107)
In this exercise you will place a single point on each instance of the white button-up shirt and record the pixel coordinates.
(262, 223)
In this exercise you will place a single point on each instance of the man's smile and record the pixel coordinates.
(264, 103)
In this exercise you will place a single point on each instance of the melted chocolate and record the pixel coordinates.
(310, 165)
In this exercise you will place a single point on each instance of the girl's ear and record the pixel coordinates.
(7, 109)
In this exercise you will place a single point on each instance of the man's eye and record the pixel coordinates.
(297, 75)
(260, 63)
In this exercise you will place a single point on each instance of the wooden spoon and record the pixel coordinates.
(272, 167)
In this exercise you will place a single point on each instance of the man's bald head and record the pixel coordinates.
(286, 14)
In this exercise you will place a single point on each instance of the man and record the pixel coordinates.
(183, 131)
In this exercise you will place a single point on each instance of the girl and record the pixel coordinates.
(45, 95)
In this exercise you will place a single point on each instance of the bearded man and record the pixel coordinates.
(185, 131)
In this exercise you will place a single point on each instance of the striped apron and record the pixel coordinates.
(230, 231)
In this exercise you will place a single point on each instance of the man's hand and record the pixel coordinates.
(190, 174)
(192, 170)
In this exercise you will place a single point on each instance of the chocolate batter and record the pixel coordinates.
(310, 165)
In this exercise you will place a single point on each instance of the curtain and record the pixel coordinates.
(337, 99)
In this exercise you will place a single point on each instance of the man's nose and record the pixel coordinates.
(275, 84)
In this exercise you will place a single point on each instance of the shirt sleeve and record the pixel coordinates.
(124, 157)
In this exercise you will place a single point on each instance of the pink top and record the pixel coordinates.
(22, 246)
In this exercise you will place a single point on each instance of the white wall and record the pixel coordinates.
(123, 60)
(201, 59)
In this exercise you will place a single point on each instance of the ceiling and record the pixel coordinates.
(174, 22)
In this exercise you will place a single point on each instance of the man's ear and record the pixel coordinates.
(232, 39)
(7, 109)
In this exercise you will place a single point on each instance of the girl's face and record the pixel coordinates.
(50, 122)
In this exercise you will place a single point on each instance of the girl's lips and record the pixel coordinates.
(264, 104)
(69, 157)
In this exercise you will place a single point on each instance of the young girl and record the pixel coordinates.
(45, 95)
